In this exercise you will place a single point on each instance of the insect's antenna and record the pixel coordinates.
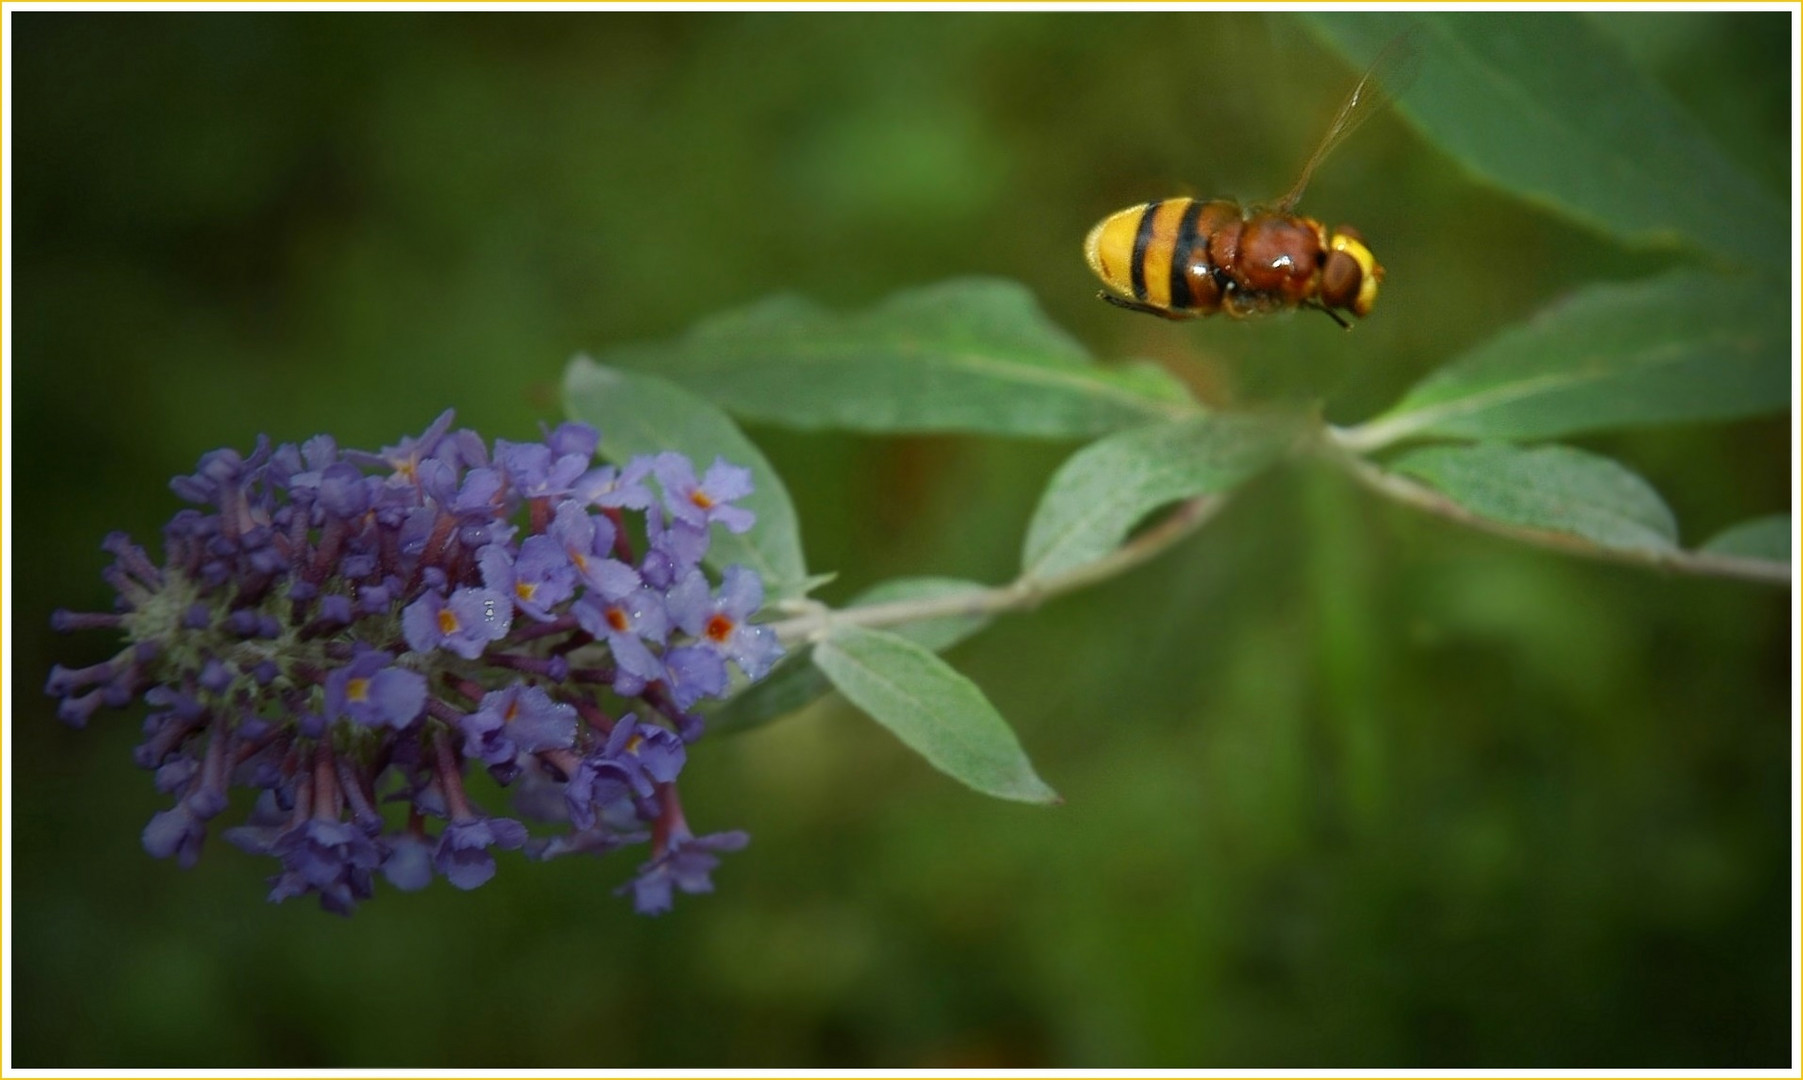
(1386, 79)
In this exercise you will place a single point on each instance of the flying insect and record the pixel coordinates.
(1184, 258)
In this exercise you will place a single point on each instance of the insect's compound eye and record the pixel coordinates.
(1366, 273)
(1340, 280)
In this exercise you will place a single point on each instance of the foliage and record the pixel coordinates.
(1552, 112)
(978, 355)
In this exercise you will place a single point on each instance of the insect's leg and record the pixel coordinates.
(1332, 314)
(1134, 305)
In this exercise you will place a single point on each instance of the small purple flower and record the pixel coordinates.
(673, 549)
(720, 622)
(606, 486)
(374, 693)
(688, 864)
(616, 608)
(464, 624)
(343, 491)
(177, 831)
(710, 500)
(407, 862)
(572, 438)
(599, 790)
(626, 622)
(404, 457)
(225, 479)
(588, 543)
(653, 755)
(483, 495)
(114, 681)
(693, 672)
(537, 471)
(462, 449)
(517, 719)
(538, 580)
(176, 774)
(332, 858)
(462, 855)
(635, 758)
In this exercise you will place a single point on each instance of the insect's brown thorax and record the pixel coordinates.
(1280, 254)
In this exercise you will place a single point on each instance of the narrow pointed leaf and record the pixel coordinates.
(935, 711)
(1762, 538)
(1555, 488)
(797, 683)
(1682, 347)
(1547, 106)
(641, 414)
(972, 354)
(1097, 496)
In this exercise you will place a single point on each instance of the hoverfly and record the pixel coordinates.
(1182, 258)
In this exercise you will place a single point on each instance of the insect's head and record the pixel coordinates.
(1350, 277)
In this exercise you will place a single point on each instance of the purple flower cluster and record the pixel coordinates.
(348, 633)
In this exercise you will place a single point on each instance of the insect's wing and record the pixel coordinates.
(1389, 75)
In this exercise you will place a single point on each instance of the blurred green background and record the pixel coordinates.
(1345, 787)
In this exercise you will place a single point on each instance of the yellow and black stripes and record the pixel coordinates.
(1153, 252)
(1156, 271)
(1184, 253)
(1142, 243)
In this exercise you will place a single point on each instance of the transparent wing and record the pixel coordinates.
(1389, 75)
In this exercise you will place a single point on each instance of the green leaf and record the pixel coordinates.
(1555, 488)
(1546, 106)
(972, 354)
(937, 712)
(797, 683)
(1685, 346)
(1762, 538)
(790, 686)
(1097, 496)
(640, 414)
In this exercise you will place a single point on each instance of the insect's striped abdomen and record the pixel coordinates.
(1131, 250)
(1157, 254)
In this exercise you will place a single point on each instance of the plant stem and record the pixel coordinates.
(1342, 448)
(1024, 593)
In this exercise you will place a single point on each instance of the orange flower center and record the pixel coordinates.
(719, 628)
(617, 619)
